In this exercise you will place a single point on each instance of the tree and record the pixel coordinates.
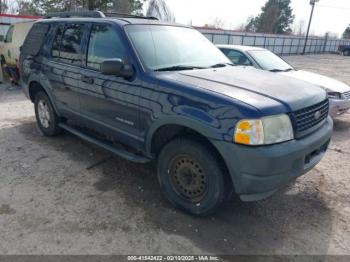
(217, 23)
(276, 17)
(7, 6)
(159, 9)
(299, 28)
(41, 7)
(346, 34)
(26, 8)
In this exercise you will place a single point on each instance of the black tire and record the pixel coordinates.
(346, 53)
(185, 159)
(49, 128)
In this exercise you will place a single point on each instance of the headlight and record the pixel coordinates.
(264, 131)
(334, 95)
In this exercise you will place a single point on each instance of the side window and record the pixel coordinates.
(67, 44)
(9, 34)
(55, 51)
(104, 43)
(237, 57)
(70, 51)
(35, 39)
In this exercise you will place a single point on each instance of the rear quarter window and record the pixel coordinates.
(35, 39)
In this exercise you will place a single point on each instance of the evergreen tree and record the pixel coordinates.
(276, 17)
(346, 34)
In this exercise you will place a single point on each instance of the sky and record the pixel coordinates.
(329, 15)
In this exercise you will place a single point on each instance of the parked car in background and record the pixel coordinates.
(148, 90)
(344, 50)
(10, 48)
(261, 58)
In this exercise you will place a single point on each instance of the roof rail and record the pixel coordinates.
(123, 15)
(93, 14)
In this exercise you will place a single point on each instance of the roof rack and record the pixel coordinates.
(123, 15)
(94, 14)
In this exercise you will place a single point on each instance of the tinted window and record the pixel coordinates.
(35, 39)
(66, 45)
(9, 34)
(57, 43)
(104, 43)
(237, 57)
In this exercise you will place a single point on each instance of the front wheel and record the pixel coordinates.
(191, 177)
(46, 116)
(346, 53)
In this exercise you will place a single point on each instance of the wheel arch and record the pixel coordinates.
(178, 124)
(34, 87)
(163, 133)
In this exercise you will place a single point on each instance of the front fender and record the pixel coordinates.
(203, 128)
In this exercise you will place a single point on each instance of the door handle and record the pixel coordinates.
(87, 79)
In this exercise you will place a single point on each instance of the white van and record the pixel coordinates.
(13, 41)
(10, 49)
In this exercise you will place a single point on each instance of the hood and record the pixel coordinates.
(327, 83)
(260, 89)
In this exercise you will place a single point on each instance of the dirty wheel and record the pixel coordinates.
(188, 178)
(191, 177)
(45, 115)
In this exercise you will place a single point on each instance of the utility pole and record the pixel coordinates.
(312, 2)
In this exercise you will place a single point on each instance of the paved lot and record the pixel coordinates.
(64, 196)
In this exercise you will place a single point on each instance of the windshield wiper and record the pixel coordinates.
(221, 65)
(178, 68)
(280, 70)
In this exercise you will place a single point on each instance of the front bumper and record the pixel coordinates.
(338, 107)
(257, 172)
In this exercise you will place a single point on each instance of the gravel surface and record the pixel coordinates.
(64, 196)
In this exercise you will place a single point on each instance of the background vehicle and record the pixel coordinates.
(261, 58)
(155, 91)
(10, 49)
(344, 50)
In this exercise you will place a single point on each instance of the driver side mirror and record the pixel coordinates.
(116, 67)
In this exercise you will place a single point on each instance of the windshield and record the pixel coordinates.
(177, 48)
(269, 61)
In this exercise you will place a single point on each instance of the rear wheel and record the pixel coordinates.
(46, 116)
(191, 177)
(346, 53)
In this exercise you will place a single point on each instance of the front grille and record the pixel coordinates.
(347, 95)
(309, 117)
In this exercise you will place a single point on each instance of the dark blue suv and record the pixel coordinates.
(147, 90)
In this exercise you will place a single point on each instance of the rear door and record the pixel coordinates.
(64, 66)
(109, 103)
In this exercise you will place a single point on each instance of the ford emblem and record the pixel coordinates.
(317, 115)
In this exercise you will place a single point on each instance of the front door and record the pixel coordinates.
(109, 103)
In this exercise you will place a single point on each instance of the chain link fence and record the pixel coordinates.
(279, 44)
